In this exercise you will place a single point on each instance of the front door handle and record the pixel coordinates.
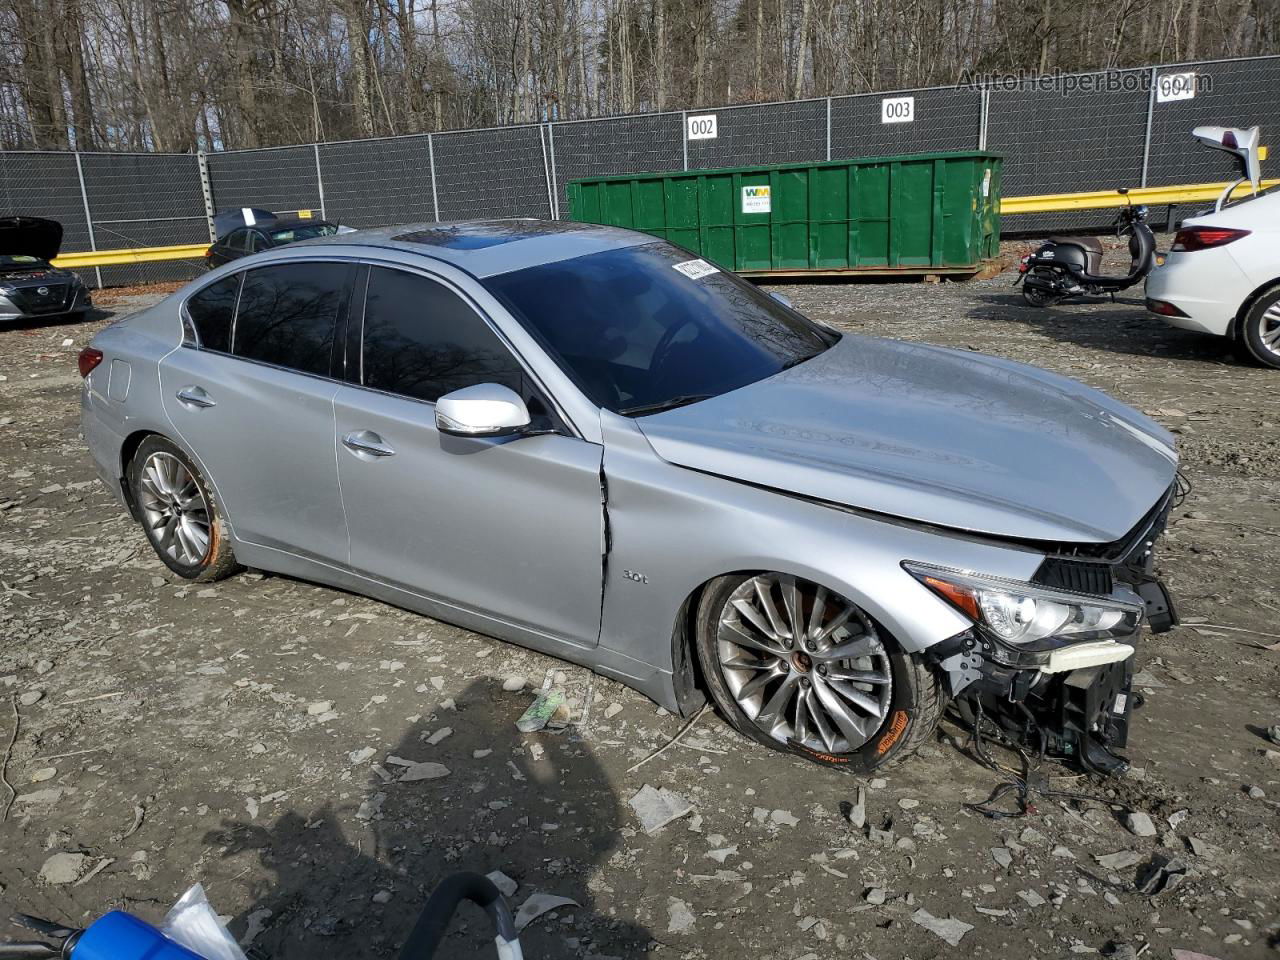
(368, 442)
(195, 397)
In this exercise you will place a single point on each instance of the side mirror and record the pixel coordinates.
(785, 301)
(483, 410)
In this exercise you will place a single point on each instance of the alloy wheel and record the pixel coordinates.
(1269, 328)
(174, 509)
(803, 663)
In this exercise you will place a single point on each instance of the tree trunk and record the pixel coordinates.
(802, 47)
(244, 69)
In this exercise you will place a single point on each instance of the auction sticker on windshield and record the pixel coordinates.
(695, 269)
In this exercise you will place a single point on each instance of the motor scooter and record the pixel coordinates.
(122, 936)
(1065, 267)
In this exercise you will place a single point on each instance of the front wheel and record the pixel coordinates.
(1260, 330)
(799, 668)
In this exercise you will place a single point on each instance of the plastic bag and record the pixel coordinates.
(193, 923)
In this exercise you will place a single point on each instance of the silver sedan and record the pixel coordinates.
(597, 445)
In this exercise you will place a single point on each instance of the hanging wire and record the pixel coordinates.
(1021, 783)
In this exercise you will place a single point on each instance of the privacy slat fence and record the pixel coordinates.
(1078, 133)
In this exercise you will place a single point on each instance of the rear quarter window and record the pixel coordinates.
(210, 312)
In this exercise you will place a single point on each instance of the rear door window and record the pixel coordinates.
(288, 315)
(210, 312)
(236, 240)
(422, 340)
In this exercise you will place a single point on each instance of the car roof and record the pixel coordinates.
(486, 248)
(292, 223)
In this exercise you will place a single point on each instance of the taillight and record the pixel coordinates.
(209, 252)
(1202, 238)
(89, 358)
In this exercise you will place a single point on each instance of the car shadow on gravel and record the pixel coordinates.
(1124, 328)
(539, 808)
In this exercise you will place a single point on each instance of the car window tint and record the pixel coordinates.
(287, 315)
(210, 311)
(235, 240)
(645, 326)
(421, 340)
(257, 242)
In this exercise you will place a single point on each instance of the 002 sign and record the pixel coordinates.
(702, 127)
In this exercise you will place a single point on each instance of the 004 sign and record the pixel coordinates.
(1175, 86)
(897, 109)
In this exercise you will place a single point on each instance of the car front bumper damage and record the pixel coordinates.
(1075, 700)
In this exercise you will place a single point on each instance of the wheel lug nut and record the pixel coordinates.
(811, 646)
(822, 668)
(804, 681)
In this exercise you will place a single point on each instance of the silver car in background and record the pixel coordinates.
(591, 443)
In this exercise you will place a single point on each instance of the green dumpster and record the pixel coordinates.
(919, 214)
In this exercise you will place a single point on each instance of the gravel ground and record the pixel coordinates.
(247, 735)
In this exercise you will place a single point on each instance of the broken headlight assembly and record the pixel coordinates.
(1028, 617)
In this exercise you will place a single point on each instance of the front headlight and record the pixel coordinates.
(1027, 615)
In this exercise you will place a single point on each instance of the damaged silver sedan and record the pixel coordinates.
(587, 441)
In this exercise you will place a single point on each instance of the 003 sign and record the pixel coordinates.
(897, 109)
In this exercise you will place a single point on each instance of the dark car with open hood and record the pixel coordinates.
(30, 286)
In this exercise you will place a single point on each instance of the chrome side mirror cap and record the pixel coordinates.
(483, 410)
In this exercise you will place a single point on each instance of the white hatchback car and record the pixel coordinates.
(1222, 276)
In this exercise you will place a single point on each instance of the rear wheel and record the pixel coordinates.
(1260, 330)
(179, 514)
(1038, 296)
(799, 668)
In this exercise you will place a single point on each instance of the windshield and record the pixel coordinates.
(306, 231)
(645, 328)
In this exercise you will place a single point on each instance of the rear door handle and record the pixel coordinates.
(195, 397)
(368, 442)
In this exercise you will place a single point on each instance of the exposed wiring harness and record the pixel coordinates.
(1024, 783)
(1181, 489)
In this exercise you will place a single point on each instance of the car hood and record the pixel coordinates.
(30, 237)
(939, 436)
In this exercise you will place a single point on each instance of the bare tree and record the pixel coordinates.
(179, 75)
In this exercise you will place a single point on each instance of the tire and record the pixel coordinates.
(1037, 298)
(195, 545)
(1260, 329)
(899, 709)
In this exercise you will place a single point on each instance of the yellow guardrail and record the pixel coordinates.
(1102, 199)
(110, 258)
(1047, 203)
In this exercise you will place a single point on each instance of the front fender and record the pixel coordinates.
(673, 529)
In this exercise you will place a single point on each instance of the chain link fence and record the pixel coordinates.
(1062, 134)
